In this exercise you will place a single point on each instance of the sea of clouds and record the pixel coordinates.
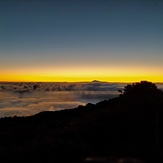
(25, 99)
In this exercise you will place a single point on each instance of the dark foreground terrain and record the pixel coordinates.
(125, 129)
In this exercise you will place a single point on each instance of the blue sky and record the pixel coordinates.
(47, 35)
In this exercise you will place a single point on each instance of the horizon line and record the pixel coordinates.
(77, 81)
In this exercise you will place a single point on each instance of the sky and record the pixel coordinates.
(81, 40)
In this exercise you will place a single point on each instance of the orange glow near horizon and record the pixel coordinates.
(108, 74)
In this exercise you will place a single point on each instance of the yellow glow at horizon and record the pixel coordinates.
(73, 74)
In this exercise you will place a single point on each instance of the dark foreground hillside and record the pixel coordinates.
(124, 129)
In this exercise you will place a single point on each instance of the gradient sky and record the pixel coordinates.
(81, 40)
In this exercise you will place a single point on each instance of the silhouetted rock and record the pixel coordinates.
(129, 127)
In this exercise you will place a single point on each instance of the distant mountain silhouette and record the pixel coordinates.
(96, 81)
(126, 128)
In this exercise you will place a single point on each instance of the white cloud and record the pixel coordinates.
(32, 109)
(14, 102)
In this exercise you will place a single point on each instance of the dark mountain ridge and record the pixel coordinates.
(129, 127)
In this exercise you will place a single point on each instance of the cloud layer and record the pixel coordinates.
(25, 99)
(26, 104)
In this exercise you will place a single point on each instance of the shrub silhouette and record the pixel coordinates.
(142, 91)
